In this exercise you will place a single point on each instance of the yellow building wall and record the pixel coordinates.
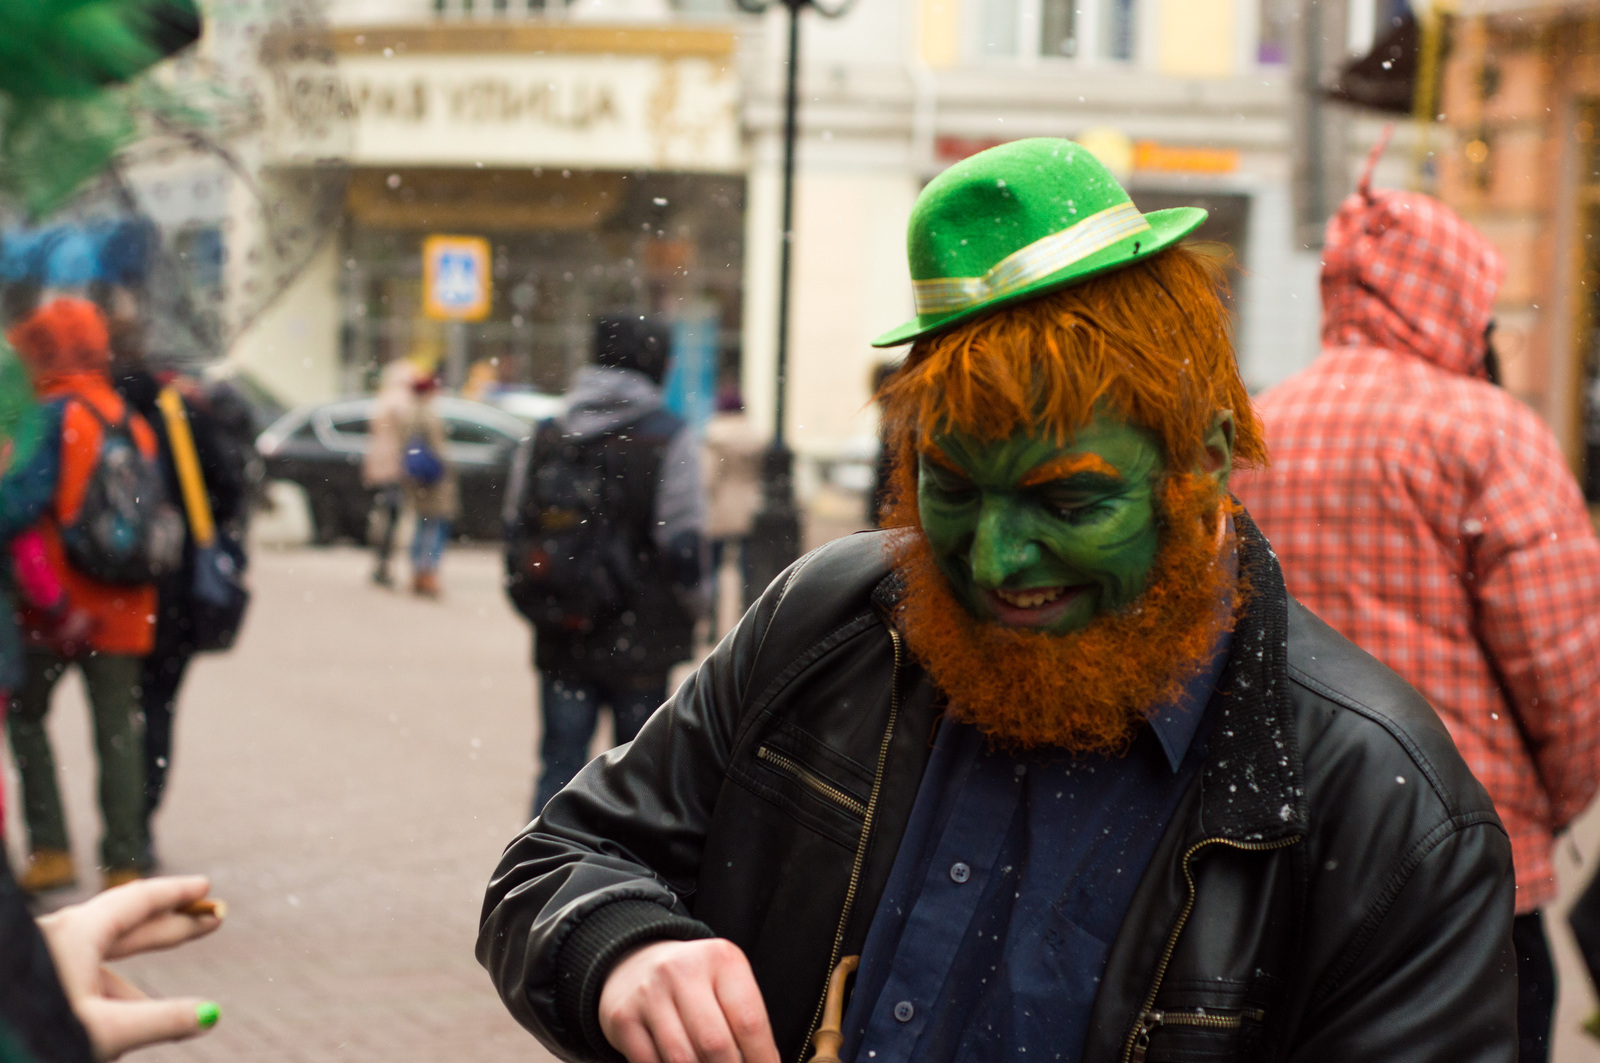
(1197, 38)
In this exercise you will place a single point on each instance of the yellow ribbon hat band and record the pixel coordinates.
(944, 295)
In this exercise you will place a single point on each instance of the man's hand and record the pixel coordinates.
(139, 917)
(686, 1002)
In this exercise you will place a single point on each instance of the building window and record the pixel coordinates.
(1033, 30)
(500, 8)
(1119, 22)
(1058, 28)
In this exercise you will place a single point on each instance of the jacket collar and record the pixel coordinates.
(1252, 787)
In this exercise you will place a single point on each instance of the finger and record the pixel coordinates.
(745, 1012)
(672, 1043)
(172, 911)
(113, 986)
(701, 1015)
(632, 1038)
(118, 1026)
(161, 932)
(118, 911)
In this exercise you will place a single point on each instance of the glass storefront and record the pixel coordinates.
(566, 246)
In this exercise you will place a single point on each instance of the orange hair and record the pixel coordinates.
(1149, 344)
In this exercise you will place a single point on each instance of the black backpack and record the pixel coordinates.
(570, 550)
(126, 531)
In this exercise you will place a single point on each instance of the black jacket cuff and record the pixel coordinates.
(594, 947)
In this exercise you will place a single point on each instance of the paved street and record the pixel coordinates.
(348, 777)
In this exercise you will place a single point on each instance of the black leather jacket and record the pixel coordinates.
(1334, 885)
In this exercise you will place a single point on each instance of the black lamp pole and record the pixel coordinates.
(775, 535)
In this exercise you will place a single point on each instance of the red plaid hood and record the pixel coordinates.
(1404, 272)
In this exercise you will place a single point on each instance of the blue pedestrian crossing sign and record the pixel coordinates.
(455, 278)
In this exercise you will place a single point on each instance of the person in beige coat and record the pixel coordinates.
(381, 466)
(430, 487)
(732, 460)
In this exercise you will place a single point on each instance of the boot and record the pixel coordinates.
(120, 877)
(48, 869)
(425, 584)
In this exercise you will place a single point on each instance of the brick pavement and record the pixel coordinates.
(348, 777)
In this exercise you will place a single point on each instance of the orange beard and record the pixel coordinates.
(1087, 691)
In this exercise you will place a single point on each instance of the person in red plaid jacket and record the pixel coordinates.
(1429, 516)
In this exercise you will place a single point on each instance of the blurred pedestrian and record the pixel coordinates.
(430, 486)
(222, 494)
(107, 534)
(603, 547)
(732, 460)
(1429, 516)
(381, 465)
(236, 431)
(28, 472)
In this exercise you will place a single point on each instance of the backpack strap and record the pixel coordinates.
(94, 411)
(187, 461)
(546, 437)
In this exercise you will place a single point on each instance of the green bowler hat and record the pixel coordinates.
(1020, 220)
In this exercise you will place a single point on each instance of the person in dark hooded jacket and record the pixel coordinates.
(163, 669)
(1429, 517)
(617, 422)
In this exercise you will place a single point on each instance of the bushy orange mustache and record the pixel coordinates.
(1088, 691)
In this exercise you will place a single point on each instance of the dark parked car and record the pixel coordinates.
(320, 448)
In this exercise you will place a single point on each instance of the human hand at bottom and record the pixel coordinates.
(686, 1002)
(139, 917)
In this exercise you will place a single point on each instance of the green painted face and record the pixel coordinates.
(1033, 534)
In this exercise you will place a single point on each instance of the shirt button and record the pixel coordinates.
(960, 872)
(903, 1011)
(1021, 770)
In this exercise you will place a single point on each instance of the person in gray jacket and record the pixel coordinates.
(609, 588)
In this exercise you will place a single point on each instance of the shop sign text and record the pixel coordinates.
(608, 111)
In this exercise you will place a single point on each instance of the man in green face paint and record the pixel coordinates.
(1053, 763)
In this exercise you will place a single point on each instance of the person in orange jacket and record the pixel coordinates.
(65, 346)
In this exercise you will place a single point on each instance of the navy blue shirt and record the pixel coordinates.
(1011, 882)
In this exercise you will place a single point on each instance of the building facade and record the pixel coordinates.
(1521, 103)
(628, 154)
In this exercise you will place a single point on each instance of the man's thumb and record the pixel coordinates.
(118, 1026)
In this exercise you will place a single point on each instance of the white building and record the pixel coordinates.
(627, 153)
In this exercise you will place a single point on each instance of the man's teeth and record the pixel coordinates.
(1030, 599)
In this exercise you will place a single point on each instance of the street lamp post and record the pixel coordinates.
(774, 540)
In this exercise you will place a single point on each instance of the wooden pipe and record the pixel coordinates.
(829, 1037)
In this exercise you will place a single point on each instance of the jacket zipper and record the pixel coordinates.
(1205, 1020)
(811, 779)
(861, 846)
(1138, 1042)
